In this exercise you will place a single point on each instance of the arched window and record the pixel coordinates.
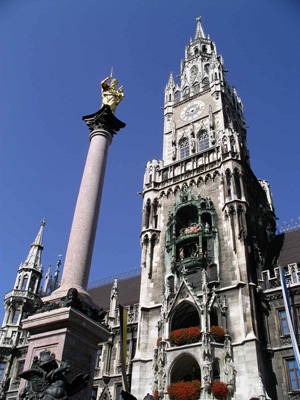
(205, 82)
(32, 284)
(228, 182)
(15, 317)
(24, 283)
(196, 50)
(204, 49)
(237, 184)
(203, 142)
(177, 94)
(147, 214)
(184, 149)
(214, 320)
(216, 370)
(152, 245)
(185, 316)
(185, 369)
(155, 213)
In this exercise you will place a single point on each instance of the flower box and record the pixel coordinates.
(185, 336)
(217, 333)
(184, 390)
(219, 390)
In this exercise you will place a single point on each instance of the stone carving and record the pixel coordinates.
(174, 135)
(174, 152)
(47, 379)
(206, 372)
(71, 300)
(110, 96)
(159, 363)
(206, 347)
(230, 373)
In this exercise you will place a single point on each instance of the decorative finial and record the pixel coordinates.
(43, 222)
(198, 19)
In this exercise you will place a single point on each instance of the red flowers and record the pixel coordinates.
(155, 396)
(185, 336)
(184, 390)
(219, 389)
(217, 333)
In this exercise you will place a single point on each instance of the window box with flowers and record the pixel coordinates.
(185, 336)
(219, 390)
(217, 333)
(184, 390)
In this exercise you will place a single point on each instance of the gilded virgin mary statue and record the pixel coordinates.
(111, 96)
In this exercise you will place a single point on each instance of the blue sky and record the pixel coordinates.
(54, 55)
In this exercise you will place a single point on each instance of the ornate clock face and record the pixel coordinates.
(191, 111)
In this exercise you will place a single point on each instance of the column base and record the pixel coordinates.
(71, 336)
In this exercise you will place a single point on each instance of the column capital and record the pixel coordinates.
(104, 120)
(101, 132)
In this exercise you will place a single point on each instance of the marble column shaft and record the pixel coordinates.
(82, 236)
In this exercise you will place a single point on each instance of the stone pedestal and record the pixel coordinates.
(71, 336)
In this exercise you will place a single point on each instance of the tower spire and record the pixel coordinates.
(33, 259)
(199, 30)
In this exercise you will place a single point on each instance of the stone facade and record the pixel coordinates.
(209, 258)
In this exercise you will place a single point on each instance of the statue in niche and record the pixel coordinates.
(47, 379)
(206, 371)
(110, 96)
(181, 253)
(174, 152)
(225, 146)
(206, 227)
(232, 143)
(229, 372)
(193, 145)
(174, 134)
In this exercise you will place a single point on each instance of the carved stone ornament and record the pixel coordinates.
(104, 119)
(47, 379)
(71, 300)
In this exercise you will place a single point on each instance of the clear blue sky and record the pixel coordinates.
(54, 53)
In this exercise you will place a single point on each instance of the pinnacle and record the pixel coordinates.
(199, 30)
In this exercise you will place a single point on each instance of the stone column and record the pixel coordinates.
(83, 232)
(103, 125)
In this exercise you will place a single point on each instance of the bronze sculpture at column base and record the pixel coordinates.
(47, 379)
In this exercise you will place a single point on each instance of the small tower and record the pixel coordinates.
(18, 303)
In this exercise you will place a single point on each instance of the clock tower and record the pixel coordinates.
(207, 221)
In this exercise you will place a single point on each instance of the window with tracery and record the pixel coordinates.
(203, 142)
(184, 149)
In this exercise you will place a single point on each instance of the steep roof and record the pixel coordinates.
(284, 249)
(128, 292)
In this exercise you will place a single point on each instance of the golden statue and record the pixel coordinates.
(110, 96)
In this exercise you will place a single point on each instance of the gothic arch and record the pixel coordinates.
(199, 180)
(207, 178)
(185, 367)
(169, 192)
(185, 315)
(177, 188)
